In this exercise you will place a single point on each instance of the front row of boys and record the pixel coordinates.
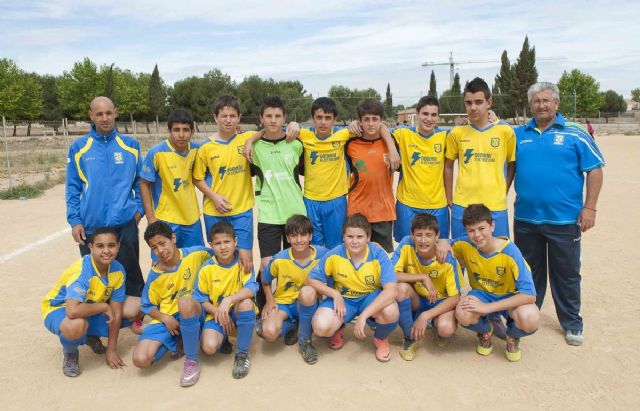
(199, 301)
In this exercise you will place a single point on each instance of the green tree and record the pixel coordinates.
(109, 83)
(612, 102)
(197, 94)
(10, 89)
(502, 89)
(157, 94)
(297, 101)
(587, 98)
(635, 96)
(252, 91)
(525, 75)
(388, 102)
(347, 100)
(451, 100)
(51, 110)
(78, 87)
(432, 85)
(132, 93)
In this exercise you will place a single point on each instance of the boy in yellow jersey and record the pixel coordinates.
(500, 281)
(225, 292)
(421, 182)
(427, 289)
(363, 284)
(290, 268)
(223, 175)
(486, 154)
(166, 298)
(166, 184)
(86, 303)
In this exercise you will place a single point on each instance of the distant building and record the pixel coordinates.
(407, 116)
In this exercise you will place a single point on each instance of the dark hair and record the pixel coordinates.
(357, 220)
(104, 230)
(325, 104)
(371, 107)
(180, 116)
(427, 101)
(272, 102)
(222, 227)
(298, 224)
(158, 228)
(423, 221)
(476, 213)
(476, 85)
(226, 101)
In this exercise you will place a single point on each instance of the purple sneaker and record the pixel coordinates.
(190, 373)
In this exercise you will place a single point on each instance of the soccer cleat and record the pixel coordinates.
(190, 373)
(512, 350)
(383, 354)
(440, 341)
(574, 337)
(240, 365)
(408, 351)
(499, 329)
(484, 346)
(71, 364)
(308, 351)
(258, 327)
(96, 345)
(137, 327)
(226, 347)
(291, 337)
(337, 341)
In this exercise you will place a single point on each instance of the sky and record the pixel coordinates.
(355, 43)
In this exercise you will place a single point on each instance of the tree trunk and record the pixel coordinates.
(29, 129)
(157, 131)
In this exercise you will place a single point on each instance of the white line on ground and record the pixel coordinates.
(33, 245)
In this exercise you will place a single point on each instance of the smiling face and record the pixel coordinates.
(427, 119)
(227, 120)
(164, 248)
(224, 247)
(103, 114)
(425, 240)
(544, 106)
(481, 234)
(104, 249)
(299, 241)
(356, 240)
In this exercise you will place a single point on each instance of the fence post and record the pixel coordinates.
(6, 147)
(65, 133)
(135, 130)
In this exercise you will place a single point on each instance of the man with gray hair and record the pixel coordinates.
(553, 155)
(103, 189)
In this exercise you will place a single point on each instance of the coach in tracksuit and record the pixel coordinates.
(103, 189)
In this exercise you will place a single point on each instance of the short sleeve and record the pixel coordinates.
(387, 274)
(451, 145)
(149, 167)
(201, 290)
(77, 289)
(200, 163)
(511, 145)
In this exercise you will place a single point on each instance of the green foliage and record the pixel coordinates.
(503, 88)
(433, 92)
(10, 89)
(347, 100)
(612, 102)
(157, 93)
(525, 75)
(388, 102)
(635, 95)
(28, 191)
(30, 106)
(78, 87)
(451, 100)
(197, 94)
(51, 108)
(587, 95)
(109, 82)
(132, 92)
(297, 101)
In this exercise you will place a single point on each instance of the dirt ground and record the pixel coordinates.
(602, 374)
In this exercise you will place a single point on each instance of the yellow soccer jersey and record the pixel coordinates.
(421, 182)
(325, 168)
(170, 174)
(222, 165)
(164, 288)
(446, 277)
(289, 274)
(500, 273)
(217, 281)
(482, 156)
(81, 281)
(351, 281)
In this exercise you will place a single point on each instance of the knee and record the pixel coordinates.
(74, 329)
(322, 328)
(307, 295)
(187, 306)
(465, 318)
(446, 327)
(209, 347)
(528, 320)
(404, 291)
(245, 305)
(131, 308)
(141, 359)
(270, 331)
(389, 314)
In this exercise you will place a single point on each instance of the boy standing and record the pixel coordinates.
(371, 191)
(86, 303)
(483, 150)
(225, 291)
(166, 184)
(427, 289)
(364, 284)
(166, 298)
(500, 281)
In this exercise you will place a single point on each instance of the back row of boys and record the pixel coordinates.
(222, 174)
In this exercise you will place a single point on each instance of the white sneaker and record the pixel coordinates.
(574, 337)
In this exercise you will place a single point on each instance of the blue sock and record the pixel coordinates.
(190, 331)
(162, 350)
(383, 330)
(287, 325)
(406, 317)
(306, 313)
(246, 321)
(513, 331)
(71, 346)
(482, 326)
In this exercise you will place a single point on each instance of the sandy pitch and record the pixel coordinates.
(603, 373)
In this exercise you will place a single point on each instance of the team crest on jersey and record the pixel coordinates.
(117, 157)
(559, 139)
(433, 273)
(501, 270)
(108, 292)
(495, 142)
(240, 150)
(288, 159)
(437, 148)
(369, 280)
(187, 274)
(170, 286)
(335, 144)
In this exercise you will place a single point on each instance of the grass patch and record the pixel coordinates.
(27, 191)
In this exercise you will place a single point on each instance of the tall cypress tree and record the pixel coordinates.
(388, 102)
(432, 85)
(502, 90)
(109, 84)
(157, 93)
(525, 75)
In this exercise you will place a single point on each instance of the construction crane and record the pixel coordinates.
(452, 64)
